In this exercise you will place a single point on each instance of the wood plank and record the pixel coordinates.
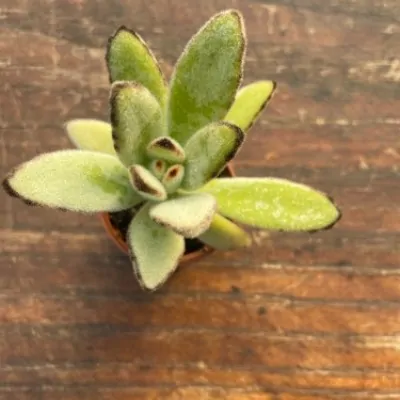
(178, 394)
(258, 315)
(21, 345)
(140, 375)
(330, 248)
(296, 316)
(385, 10)
(111, 275)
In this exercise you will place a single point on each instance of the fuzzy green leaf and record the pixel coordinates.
(167, 149)
(146, 184)
(272, 203)
(208, 151)
(206, 76)
(129, 59)
(173, 177)
(91, 134)
(155, 250)
(188, 215)
(136, 119)
(250, 101)
(76, 180)
(158, 168)
(225, 235)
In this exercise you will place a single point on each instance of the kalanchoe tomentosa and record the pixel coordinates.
(164, 149)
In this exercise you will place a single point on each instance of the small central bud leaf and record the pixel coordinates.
(173, 178)
(167, 149)
(158, 168)
(146, 184)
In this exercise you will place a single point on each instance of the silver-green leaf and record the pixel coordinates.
(207, 75)
(136, 118)
(130, 59)
(146, 184)
(173, 177)
(158, 168)
(76, 180)
(208, 151)
(167, 149)
(272, 203)
(155, 250)
(225, 235)
(190, 215)
(91, 134)
(249, 102)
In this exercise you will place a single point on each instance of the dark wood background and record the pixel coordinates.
(298, 316)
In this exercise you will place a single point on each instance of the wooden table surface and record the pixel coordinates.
(297, 316)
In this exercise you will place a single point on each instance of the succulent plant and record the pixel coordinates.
(163, 150)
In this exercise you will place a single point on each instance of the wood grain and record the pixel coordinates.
(297, 316)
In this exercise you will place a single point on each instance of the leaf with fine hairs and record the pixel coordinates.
(130, 59)
(158, 168)
(208, 151)
(223, 234)
(91, 134)
(76, 180)
(167, 149)
(155, 250)
(207, 75)
(136, 119)
(189, 215)
(146, 184)
(249, 102)
(272, 203)
(172, 178)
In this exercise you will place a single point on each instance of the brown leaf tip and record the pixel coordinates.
(138, 274)
(136, 270)
(141, 185)
(165, 143)
(124, 29)
(274, 86)
(110, 40)
(173, 172)
(239, 139)
(160, 165)
(265, 102)
(116, 88)
(121, 29)
(173, 178)
(7, 187)
(12, 193)
(230, 11)
(330, 226)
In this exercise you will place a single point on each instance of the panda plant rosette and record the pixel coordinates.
(162, 154)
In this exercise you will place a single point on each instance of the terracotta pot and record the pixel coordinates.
(118, 238)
